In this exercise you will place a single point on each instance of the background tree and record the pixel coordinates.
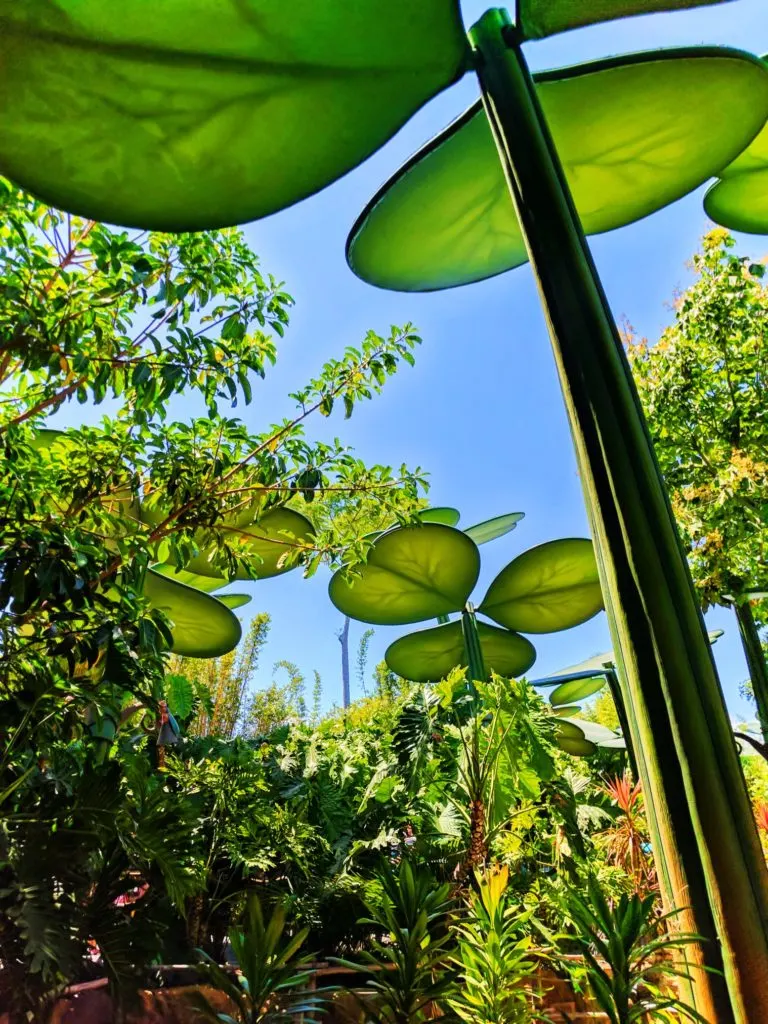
(703, 387)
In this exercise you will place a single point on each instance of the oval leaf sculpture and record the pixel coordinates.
(492, 529)
(551, 587)
(271, 540)
(412, 573)
(440, 514)
(431, 654)
(739, 200)
(203, 627)
(576, 689)
(634, 134)
(203, 114)
(539, 18)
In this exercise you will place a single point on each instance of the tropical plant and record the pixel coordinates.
(573, 162)
(626, 843)
(627, 956)
(494, 957)
(271, 982)
(407, 974)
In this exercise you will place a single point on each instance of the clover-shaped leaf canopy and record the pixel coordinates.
(539, 18)
(191, 114)
(634, 134)
(739, 200)
(420, 572)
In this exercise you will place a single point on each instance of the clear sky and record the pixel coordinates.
(481, 411)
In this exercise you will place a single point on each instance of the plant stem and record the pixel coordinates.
(675, 705)
(753, 652)
(343, 636)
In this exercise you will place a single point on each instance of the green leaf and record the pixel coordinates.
(576, 689)
(179, 694)
(739, 201)
(634, 134)
(190, 579)
(213, 113)
(446, 516)
(413, 573)
(540, 18)
(491, 529)
(234, 600)
(551, 587)
(430, 654)
(571, 739)
(566, 712)
(202, 626)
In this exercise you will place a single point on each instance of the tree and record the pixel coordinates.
(703, 387)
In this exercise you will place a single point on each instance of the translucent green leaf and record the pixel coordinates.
(739, 201)
(412, 573)
(576, 689)
(446, 516)
(491, 529)
(186, 116)
(634, 133)
(551, 587)
(430, 654)
(570, 738)
(202, 626)
(272, 539)
(190, 579)
(567, 711)
(234, 600)
(539, 18)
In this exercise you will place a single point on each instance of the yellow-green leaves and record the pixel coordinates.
(491, 529)
(189, 115)
(739, 200)
(551, 587)
(430, 654)
(539, 18)
(634, 134)
(202, 626)
(413, 573)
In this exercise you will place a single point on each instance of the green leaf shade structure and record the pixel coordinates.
(539, 18)
(272, 538)
(634, 134)
(570, 738)
(190, 579)
(234, 600)
(430, 654)
(203, 627)
(551, 587)
(739, 201)
(194, 114)
(577, 689)
(412, 573)
(492, 529)
(445, 516)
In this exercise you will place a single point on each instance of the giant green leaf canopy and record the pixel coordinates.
(194, 114)
(634, 134)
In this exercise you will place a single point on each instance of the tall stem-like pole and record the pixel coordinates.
(343, 636)
(756, 663)
(675, 705)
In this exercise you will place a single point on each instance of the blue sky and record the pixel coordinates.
(481, 410)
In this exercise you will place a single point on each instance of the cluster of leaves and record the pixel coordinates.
(702, 386)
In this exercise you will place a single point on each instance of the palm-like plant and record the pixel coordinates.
(271, 983)
(494, 957)
(408, 974)
(627, 955)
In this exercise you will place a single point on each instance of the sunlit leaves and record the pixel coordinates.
(539, 18)
(431, 654)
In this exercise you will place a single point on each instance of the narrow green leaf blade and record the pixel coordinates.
(190, 579)
(209, 114)
(430, 654)
(202, 626)
(540, 18)
(634, 133)
(551, 587)
(234, 600)
(441, 514)
(413, 573)
(492, 529)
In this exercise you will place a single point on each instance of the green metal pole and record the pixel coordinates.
(658, 632)
(753, 652)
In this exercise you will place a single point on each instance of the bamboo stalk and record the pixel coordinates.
(692, 774)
